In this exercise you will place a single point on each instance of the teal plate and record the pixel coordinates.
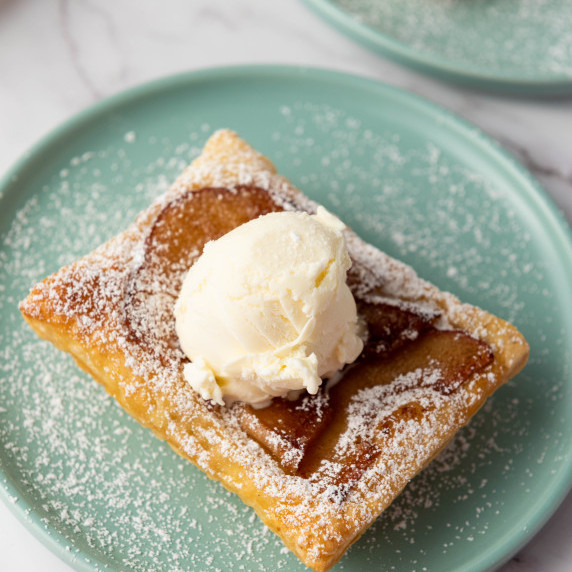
(104, 493)
(517, 46)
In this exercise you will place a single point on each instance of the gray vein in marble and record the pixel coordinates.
(522, 563)
(217, 16)
(6, 4)
(73, 50)
(533, 165)
(73, 45)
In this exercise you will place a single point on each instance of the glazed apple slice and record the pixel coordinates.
(174, 241)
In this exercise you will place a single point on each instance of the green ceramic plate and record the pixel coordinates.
(104, 493)
(517, 46)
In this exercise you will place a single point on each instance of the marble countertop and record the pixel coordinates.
(58, 57)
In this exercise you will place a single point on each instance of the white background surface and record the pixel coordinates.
(59, 56)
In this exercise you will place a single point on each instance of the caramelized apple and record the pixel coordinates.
(175, 240)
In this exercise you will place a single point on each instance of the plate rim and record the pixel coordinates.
(528, 188)
(434, 65)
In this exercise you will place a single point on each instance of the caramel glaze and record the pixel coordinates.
(301, 434)
(313, 424)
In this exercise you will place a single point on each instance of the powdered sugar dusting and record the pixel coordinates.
(523, 38)
(117, 493)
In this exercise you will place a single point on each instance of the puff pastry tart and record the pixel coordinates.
(318, 470)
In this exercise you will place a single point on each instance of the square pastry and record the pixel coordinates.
(319, 469)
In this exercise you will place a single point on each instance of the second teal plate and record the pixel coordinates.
(518, 46)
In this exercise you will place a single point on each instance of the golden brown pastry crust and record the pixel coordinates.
(82, 310)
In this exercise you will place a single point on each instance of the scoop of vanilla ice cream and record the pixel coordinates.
(266, 309)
